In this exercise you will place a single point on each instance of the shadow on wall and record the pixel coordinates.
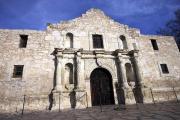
(55, 71)
(72, 96)
(121, 94)
(50, 96)
(50, 100)
(119, 74)
(138, 95)
(73, 99)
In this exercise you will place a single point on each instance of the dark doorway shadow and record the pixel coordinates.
(138, 95)
(73, 99)
(51, 99)
(120, 94)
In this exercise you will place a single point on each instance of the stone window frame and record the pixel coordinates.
(23, 40)
(91, 41)
(128, 41)
(164, 68)
(154, 44)
(71, 36)
(21, 67)
(160, 70)
(98, 44)
(124, 42)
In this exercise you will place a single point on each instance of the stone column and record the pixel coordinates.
(122, 72)
(58, 75)
(78, 70)
(58, 56)
(136, 69)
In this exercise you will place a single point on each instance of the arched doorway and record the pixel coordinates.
(101, 87)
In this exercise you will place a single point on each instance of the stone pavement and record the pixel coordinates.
(166, 111)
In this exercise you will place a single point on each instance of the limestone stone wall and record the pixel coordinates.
(36, 58)
(150, 61)
(38, 64)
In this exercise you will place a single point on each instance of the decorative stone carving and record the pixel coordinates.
(107, 64)
(78, 69)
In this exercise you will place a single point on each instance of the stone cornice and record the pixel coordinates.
(96, 53)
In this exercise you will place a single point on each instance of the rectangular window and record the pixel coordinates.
(164, 68)
(154, 44)
(18, 71)
(23, 41)
(97, 41)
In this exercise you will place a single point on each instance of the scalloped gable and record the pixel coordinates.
(93, 19)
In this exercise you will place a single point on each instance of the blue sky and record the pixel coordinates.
(147, 15)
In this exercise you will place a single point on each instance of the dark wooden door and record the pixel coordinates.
(101, 87)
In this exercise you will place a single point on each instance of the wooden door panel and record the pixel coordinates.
(101, 87)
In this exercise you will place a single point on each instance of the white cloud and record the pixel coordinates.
(133, 7)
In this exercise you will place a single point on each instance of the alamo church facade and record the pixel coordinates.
(87, 61)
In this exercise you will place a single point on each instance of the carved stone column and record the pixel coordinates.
(136, 65)
(58, 85)
(122, 71)
(58, 76)
(138, 87)
(78, 70)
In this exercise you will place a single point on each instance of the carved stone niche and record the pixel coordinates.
(69, 77)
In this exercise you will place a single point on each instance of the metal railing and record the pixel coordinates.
(83, 99)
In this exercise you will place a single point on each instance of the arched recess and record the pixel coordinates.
(129, 73)
(92, 66)
(69, 40)
(124, 42)
(101, 87)
(69, 78)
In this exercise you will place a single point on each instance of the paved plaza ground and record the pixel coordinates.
(165, 111)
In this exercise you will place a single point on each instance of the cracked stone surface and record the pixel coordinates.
(166, 111)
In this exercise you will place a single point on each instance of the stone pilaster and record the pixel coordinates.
(58, 86)
(122, 71)
(136, 65)
(58, 76)
(78, 70)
